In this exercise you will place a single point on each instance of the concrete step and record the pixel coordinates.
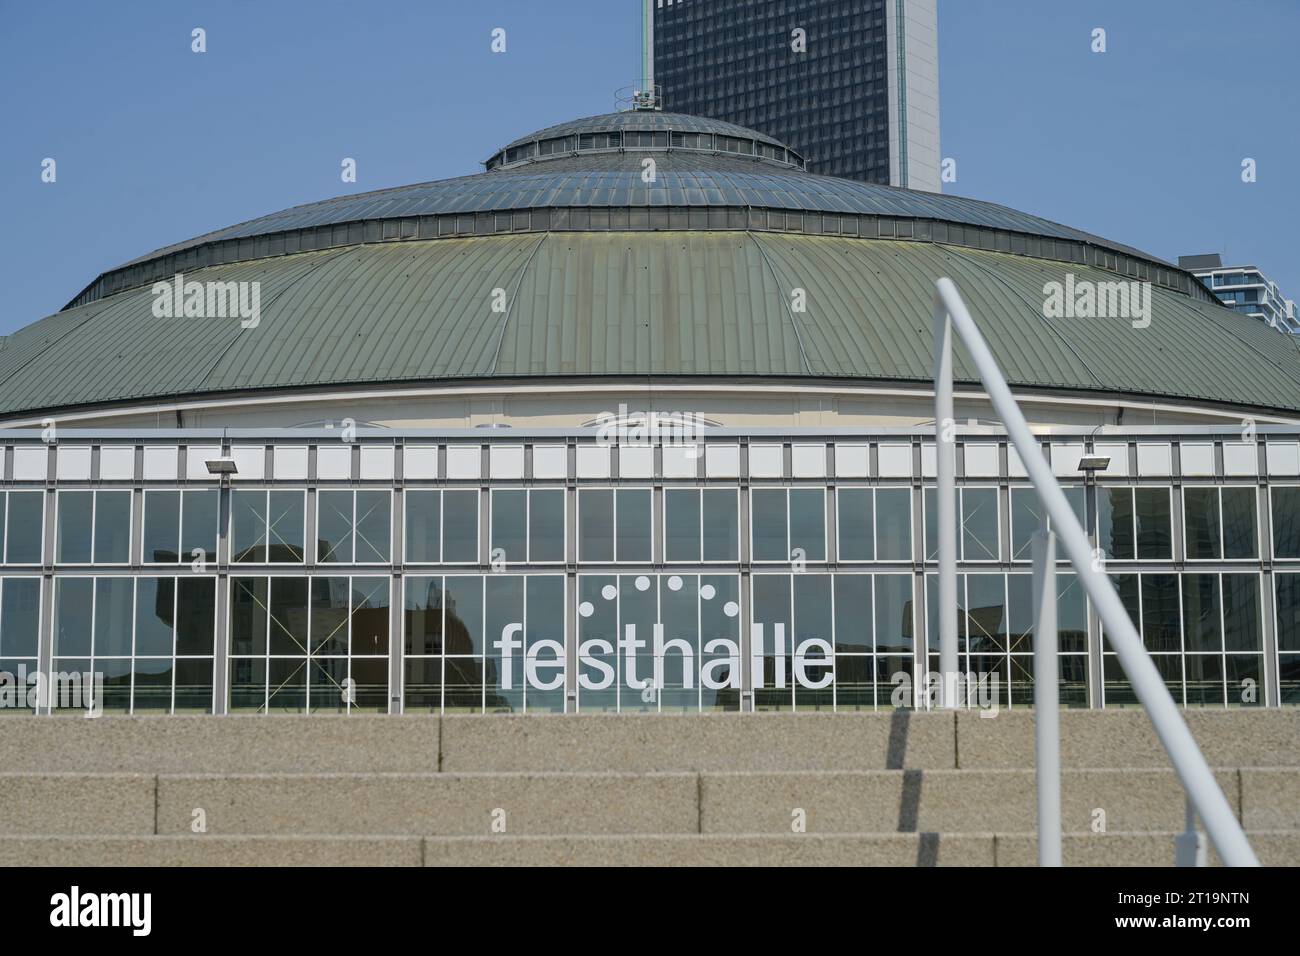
(470, 804)
(853, 849)
(628, 743)
(1125, 738)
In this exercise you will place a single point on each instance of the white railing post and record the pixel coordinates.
(1198, 780)
(1047, 699)
(1189, 846)
(945, 450)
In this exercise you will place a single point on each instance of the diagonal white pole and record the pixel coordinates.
(945, 447)
(1197, 778)
(1047, 699)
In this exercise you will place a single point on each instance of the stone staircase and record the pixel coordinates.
(899, 788)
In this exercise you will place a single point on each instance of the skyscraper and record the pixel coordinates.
(851, 84)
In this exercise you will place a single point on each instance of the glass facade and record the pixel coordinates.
(831, 103)
(473, 575)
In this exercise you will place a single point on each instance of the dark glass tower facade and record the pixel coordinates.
(826, 91)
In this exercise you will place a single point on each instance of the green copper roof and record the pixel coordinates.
(673, 304)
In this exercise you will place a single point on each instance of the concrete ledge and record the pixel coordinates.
(945, 801)
(208, 850)
(76, 803)
(444, 804)
(715, 742)
(1125, 738)
(206, 744)
(887, 849)
(1270, 799)
(1136, 849)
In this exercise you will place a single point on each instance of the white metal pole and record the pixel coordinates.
(1047, 699)
(1197, 778)
(945, 507)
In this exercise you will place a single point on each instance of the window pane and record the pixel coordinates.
(1201, 612)
(196, 616)
(249, 604)
(20, 614)
(1071, 615)
(422, 618)
(73, 544)
(162, 518)
(769, 524)
(460, 527)
(329, 615)
(374, 526)
(932, 523)
(979, 524)
(893, 524)
(681, 524)
(633, 541)
(509, 520)
(247, 526)
(1154, 535)
(155, 604)
(853, 614)
(72, 620)
(986, 614)
(287, 528)
(893, 601)
(596, 524)
(808, 522)
(289, 619)
(1241, 613)
(370, 617)
(153, 685)
(423, 526)
(772, 607)
(855, 516)
(194, 686)
(1240, 536)
(1204, 680)
(26, 528)
(504, 600)
(1201, 514)
(1115, 523)
(112, 527)
(545, 622)
(1288, 612)
(1286, 522)
(199, 525)
(1161, 619)
(721, 525)
(334, 527)
(114, 603)
(464, 600)
(546, 525)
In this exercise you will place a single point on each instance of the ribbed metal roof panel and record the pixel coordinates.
(642, 304)
(643, 120)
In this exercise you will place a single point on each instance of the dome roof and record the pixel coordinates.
(609, 275)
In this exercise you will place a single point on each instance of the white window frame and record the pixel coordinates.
(615, 489)
(1219, 497)
(789, 559)
(528, 530)
(230, 527)
(353, 534)
(699, 492)
(182, 558)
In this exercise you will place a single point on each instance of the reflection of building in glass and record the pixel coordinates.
(482, 546)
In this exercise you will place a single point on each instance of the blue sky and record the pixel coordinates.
(154, 143)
